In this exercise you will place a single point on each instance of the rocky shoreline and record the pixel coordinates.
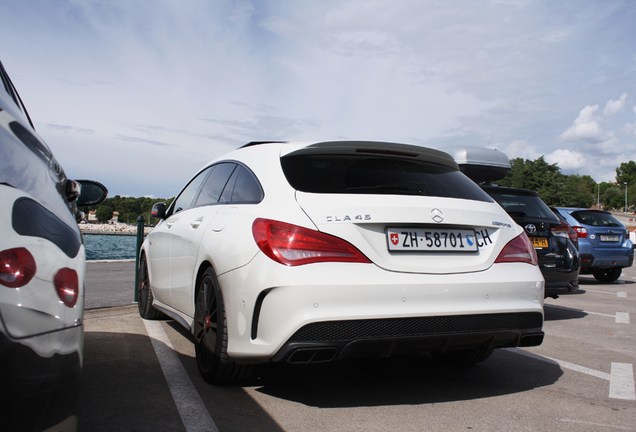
(111, 229)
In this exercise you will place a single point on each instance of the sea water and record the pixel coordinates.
(109, 247)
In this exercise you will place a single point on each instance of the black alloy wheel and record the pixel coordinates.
(210, 335)
(144, 294)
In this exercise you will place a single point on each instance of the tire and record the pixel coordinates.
(144, 293)
(210, 336)
(464, 357)
(607, 275)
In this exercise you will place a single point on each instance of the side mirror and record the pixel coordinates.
(92, 193)
(158, 210)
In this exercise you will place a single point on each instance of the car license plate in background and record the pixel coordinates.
(431, 239)
(608, 238)
(539, 242)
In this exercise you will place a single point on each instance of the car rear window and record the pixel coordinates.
(363, 174)
(595, 218)
(523, 205)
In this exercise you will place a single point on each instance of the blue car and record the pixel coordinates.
(604, 244)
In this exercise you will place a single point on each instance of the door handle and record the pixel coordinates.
(196, 223)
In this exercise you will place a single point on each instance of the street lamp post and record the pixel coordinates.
(625, 183)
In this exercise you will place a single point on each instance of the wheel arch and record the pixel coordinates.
(197, 280)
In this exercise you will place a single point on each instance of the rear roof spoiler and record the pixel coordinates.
(379, 148)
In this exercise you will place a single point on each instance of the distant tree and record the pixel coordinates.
(626, 173)
(104, 213)
(516, 177)
(538, 175)
(612, 197)
(578, 191)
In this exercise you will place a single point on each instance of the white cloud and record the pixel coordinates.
(586, 127)
(613, 107)
(566, 159)
(519, 149)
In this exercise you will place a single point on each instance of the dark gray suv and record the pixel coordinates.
(558, 255)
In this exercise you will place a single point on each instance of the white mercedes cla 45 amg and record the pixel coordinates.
(313, 252)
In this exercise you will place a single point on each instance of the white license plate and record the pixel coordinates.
(431, 239)
(608, 238)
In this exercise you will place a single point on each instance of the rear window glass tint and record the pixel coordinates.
(596, 219)
(214, 184)
(242, 188)
(361, 174)
(524, 206)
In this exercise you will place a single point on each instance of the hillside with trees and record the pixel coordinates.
(554, 187)
(129, 208)
(574, 190)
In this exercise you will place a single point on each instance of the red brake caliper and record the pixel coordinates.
(207, 322)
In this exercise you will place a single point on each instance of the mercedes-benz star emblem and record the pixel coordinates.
(531, 229)
(437, 215)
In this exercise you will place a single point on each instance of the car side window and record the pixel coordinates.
(242, 188)
(215, 183)
(187, 195)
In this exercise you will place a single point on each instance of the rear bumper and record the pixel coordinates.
(590, 262)
(560, 281)
(328, 341)
(374, 308)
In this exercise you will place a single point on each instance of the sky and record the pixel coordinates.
(141, 94)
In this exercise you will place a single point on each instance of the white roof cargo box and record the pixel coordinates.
(481, 164)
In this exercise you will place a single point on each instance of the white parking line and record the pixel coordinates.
(622, 294)
(622, 382)
(194, 414)
(621, 378)
(622, 318)
(602, 425)
(619, 317)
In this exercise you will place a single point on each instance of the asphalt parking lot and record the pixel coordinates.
(142, 376)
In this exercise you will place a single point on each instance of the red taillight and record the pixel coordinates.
(519, 249)
(293, 245)
(581, 232)
(67, 286)
(565, 231)
(562, 230)
(17, 267)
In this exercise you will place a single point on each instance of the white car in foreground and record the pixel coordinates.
(42, 268)
(312, 252)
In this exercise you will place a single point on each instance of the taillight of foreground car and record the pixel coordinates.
(67, 286)
(293, 245)
(519, 249)
(17, 267)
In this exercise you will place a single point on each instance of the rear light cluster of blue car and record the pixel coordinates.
(581, 232)
(18, 268)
